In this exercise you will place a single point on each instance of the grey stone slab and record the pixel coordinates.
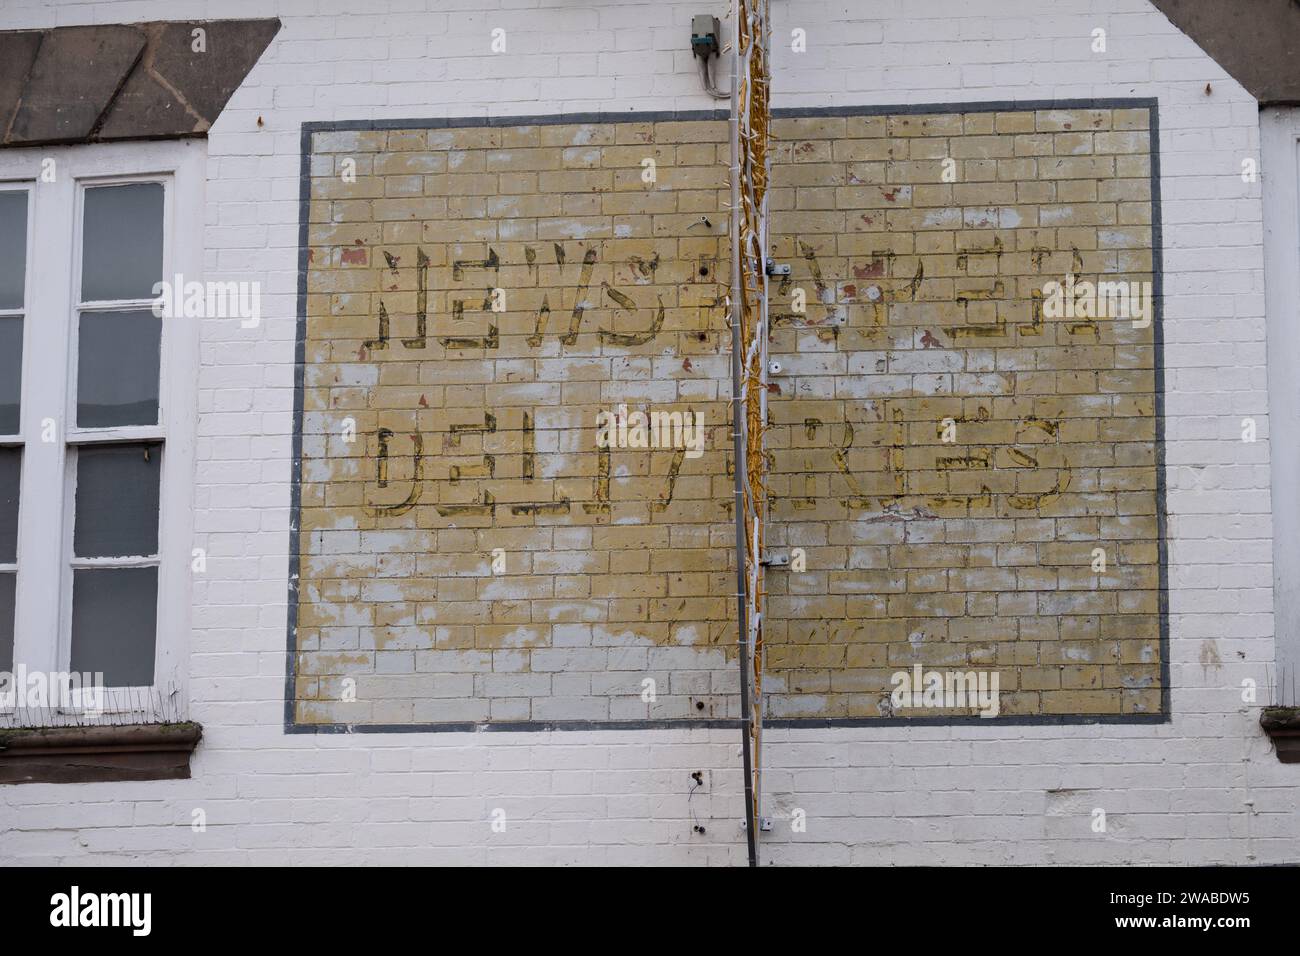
(76, 73)
(123, 81)
(177, 91)
(17, 54)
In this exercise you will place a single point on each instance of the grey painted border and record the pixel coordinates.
(299, 383)
(1157, 246)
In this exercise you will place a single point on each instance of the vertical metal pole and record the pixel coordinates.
(738, 445)
(761, 42)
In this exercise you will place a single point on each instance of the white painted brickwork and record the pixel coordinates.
(1205, 788)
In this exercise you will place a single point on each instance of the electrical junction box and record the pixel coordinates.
(705, 35)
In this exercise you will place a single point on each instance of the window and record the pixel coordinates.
(1280, 157)
(97, 416)
(13, 295)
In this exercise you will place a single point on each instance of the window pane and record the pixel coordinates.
(122, 247)
(7, 581)
(114, 621)
(11, 372)
(13, 248)
(117, 368)
(117, 500)
(11, 460)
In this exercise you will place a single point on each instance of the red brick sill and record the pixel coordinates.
(97, 754)
(1282, 724)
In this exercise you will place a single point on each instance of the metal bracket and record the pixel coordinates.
(776, 268)
(775, 559)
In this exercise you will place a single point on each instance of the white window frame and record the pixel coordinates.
(1280, 175)
(16, 440)
(43, 628)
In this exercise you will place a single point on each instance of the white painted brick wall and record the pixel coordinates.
(1205, 788)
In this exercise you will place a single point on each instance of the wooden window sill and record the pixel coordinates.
(97, 754)
(1282, 724)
